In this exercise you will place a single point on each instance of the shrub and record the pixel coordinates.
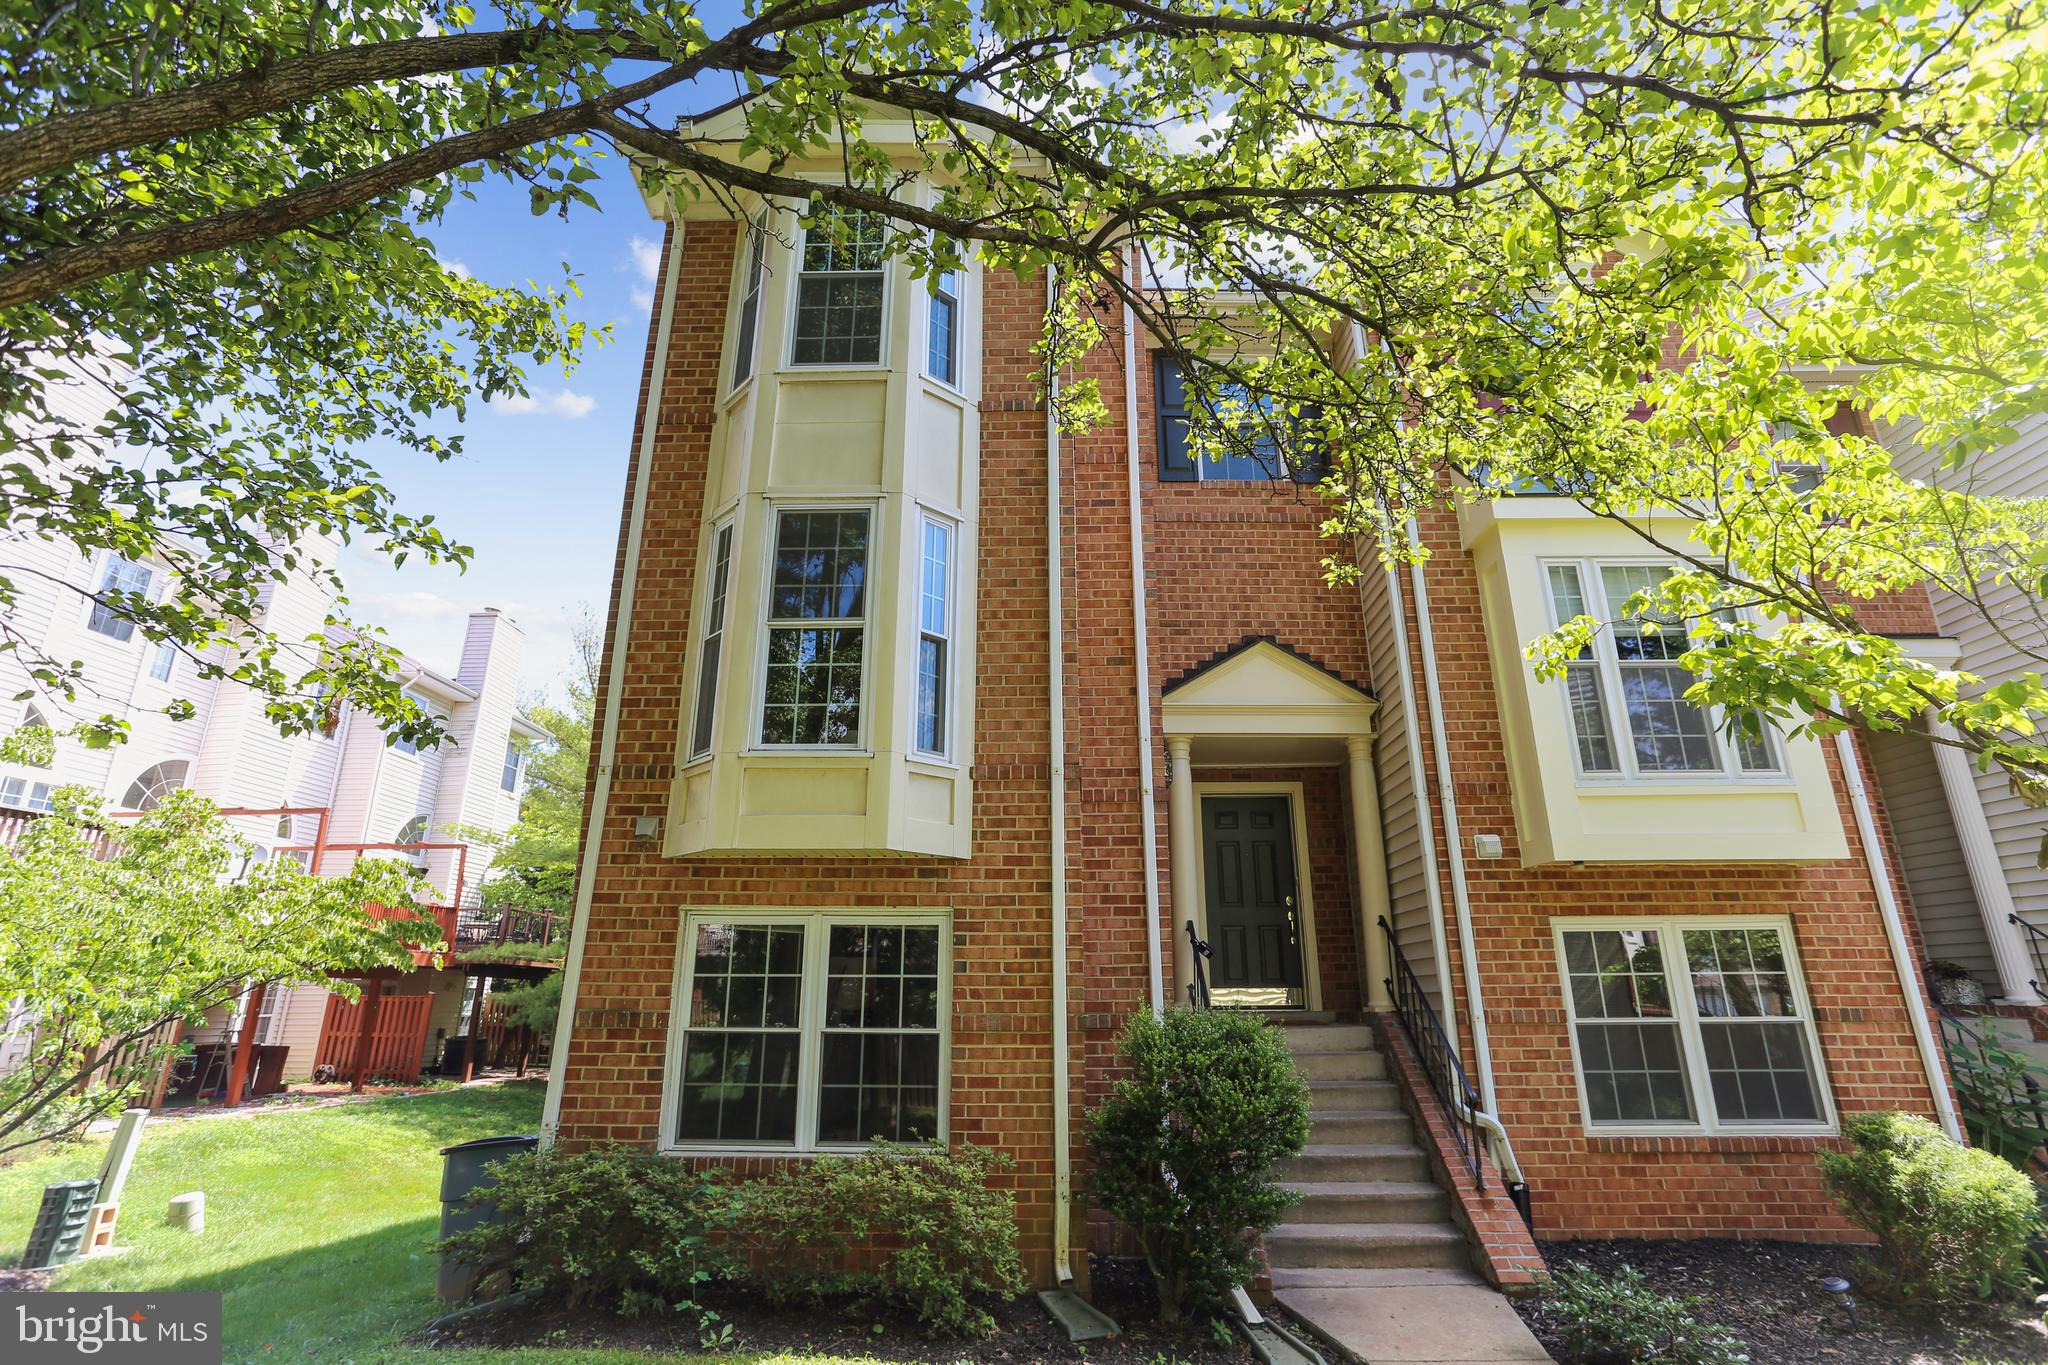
(1950, 1221)
(621, 1227)
(1610, 1319)
(936, 1231)
(1184, 1147)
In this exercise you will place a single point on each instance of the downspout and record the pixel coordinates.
(608, 733)
(1475, 1001)
(1056, 710)
(1148, 810)
(1895, 935)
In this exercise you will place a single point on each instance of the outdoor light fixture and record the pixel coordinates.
(1838, 1288)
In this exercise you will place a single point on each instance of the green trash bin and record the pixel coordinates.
(59, 1232)
(466, 1167)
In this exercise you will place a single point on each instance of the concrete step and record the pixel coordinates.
(1323, 1245)
(1361, 1125)
(1304, 1039)
(1369, 1201)
(1350, 1065)
(1372, 1277)
(1338, 1161)
(1350, 1096)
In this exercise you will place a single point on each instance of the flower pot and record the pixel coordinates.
(1959, 990)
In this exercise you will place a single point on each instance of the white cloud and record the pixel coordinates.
(456, 268)
(646, 258)
(545, 403)
(643, 299)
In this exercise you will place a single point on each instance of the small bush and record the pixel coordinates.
(936, 1232)
(620, 1227)
(1612, 1319)
(1950, 1221)
(1184, 1148)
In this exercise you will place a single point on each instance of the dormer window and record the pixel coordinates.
(839, 290)
(1625, 693)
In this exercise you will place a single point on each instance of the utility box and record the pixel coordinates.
(466, 1167)
(59, 1232)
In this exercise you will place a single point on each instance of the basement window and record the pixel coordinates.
(809, 1031)
(1691, 1025)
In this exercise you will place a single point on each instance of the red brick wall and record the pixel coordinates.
(1690, 1186)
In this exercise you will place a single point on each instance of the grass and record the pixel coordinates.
(319, 1224)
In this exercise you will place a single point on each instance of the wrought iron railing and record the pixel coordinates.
(1455, 1094)
(2001, 1099)
(2037, 946)
(1198, 989)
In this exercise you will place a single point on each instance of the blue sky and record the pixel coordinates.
(536, 492)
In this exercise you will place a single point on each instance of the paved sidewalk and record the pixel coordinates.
(1411, 1317)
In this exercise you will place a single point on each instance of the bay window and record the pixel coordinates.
(942, 333)
(800, 1030)
(747, 342)
(817, 604)
(1691, 1024)
(1625, 692)
(839, 290)
(935, 637)
(712, 648)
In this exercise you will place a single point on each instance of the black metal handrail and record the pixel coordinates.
(1982, 1071)
(2037, 945)
(1440, 1064)
(1198, 989)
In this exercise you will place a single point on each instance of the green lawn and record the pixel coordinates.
(318, 1223)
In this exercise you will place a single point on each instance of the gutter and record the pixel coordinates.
(1895, 935)
(1056, 710)
(1475, 999)
(608, 734)
(1148, 808)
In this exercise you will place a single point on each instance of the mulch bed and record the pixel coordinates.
(1768, 1294)
(1024, 1333)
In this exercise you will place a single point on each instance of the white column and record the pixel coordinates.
(1369, 849)
(1184, 849)
(1987, 874)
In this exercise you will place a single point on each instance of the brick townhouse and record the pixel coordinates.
(893, 827)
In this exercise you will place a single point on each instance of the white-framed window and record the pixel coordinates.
(154, 782)
(1691, 1024)
(32, 718)
(117, 575)
(801, 1030)
(817, 628)
(23, 793)
(942, 329)
(747, 343)
(1625, 693)
(403, 744)
(840, 288)
(711, 654)
(933, 721)
(163, 661)
(515, 762)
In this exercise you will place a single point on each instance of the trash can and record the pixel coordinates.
(465, 1167)
(59, 1232)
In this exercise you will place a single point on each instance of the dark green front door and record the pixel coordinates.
(1254, 915)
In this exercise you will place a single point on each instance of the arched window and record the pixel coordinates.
(412, 831)
(148, 789)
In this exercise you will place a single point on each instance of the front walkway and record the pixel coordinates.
(1412, 1317)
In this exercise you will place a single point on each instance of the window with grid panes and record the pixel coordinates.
(804, 1030)
(839, 290)
(817, 603)
(1691, 1026)
(1625, 693)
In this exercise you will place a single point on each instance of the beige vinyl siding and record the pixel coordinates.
(1944, 902)
(1400, 795)
(2011, 643)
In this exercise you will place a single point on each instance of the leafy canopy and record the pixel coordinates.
(109, 935)
(1610, 247)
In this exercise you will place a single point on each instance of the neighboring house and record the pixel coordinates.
(894, 827)
(375, 791)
